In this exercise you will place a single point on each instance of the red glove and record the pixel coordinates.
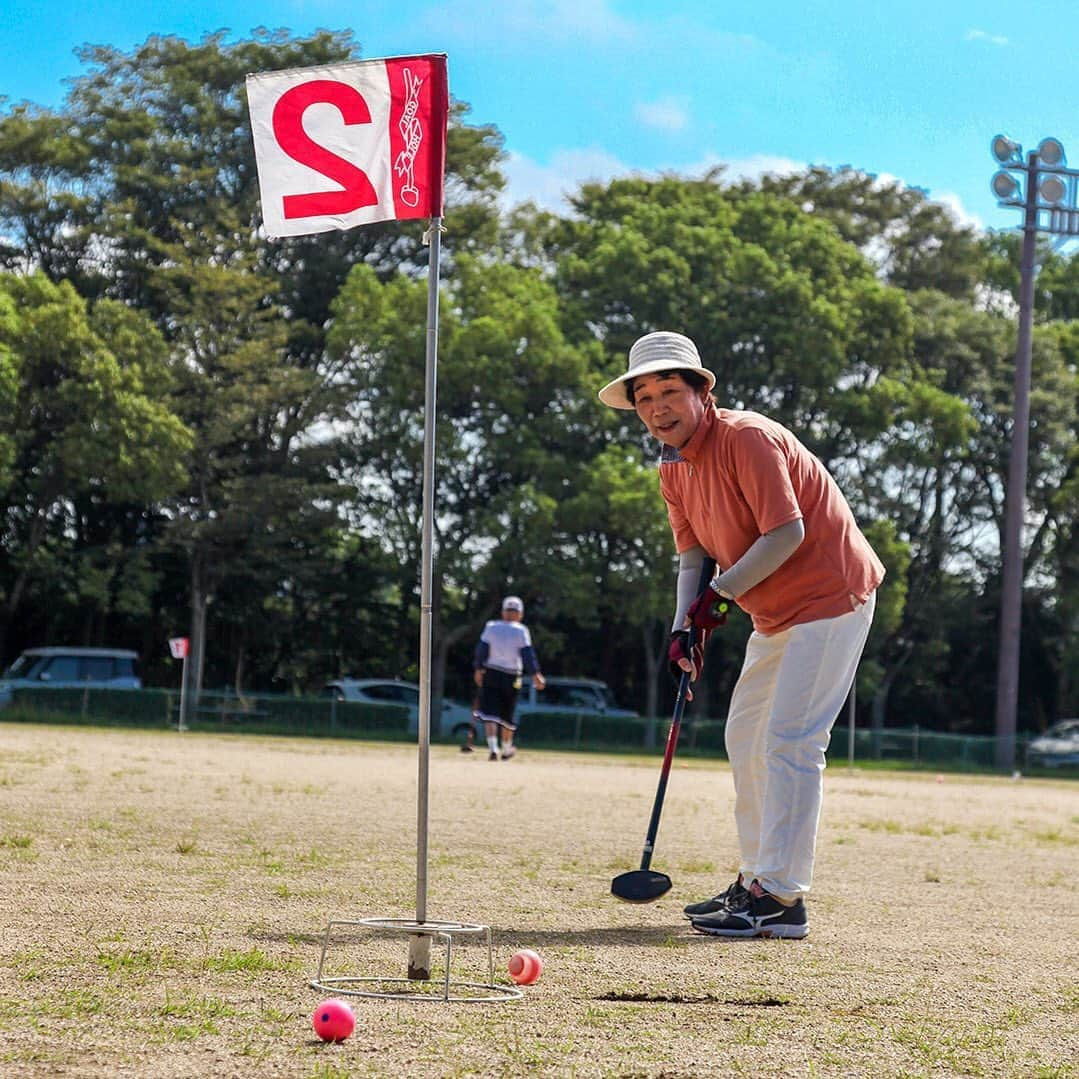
(708, 610)
(678, 650)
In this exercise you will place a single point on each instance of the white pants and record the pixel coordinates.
(787, 698)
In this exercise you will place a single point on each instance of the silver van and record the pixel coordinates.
(455, 719)
(576, 696)
(67, 668)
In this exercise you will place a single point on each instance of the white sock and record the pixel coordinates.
(492, 743)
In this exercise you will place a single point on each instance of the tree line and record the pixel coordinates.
(206, 433)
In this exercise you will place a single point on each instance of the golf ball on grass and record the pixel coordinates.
(525, 966)
(333, 1021)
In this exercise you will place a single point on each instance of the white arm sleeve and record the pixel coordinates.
(764, 557)
(689, 573)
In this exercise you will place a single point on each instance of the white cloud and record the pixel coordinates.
(747, 168)
(982, 35)
(948, 199)
(548, 185)
(665, 114)
(954, 204)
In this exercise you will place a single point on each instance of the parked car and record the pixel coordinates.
(454, 721)
(1058, 747)
(576, 696)
(65, 668)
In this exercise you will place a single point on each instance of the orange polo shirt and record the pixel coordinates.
(741, 475)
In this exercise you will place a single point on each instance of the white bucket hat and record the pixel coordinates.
(513, 603)
(661, 351)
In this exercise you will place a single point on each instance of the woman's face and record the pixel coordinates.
(668, 406)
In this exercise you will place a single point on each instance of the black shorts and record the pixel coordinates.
(498, 697)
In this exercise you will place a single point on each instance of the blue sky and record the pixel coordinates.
(589, 89)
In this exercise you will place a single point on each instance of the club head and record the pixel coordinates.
(640, 886)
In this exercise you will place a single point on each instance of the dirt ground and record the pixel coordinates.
(163, 898)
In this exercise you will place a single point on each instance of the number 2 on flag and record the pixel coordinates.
(291, 137)
(349, 144)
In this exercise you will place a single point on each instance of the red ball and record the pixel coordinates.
(333, 1021)
(525, 966)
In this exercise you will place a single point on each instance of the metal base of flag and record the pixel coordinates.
(445, 989)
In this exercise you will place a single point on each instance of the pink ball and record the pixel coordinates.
(525, 966)
(333, 1021)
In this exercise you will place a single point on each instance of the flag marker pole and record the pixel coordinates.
(419, 951)
(178, 649)
(182, 725)
(404, 167)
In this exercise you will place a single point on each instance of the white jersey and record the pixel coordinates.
(504, 641)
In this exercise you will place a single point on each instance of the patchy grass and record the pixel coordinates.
(251, 961)
(170, 935)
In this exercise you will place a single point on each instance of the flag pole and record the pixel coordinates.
(182, 722)
(419, 951)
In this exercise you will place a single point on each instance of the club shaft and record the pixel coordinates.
(707, 570)
(665, 771)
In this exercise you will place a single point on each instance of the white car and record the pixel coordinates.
(454, 721)
(576, 696)
(1058, 747)
(68, 668)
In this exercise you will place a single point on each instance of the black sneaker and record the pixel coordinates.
(467, 749)
(492, 756)
(757, 916)
(732, 897)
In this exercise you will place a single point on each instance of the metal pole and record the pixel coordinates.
(181, 723)
(1011, 597)
(419, 948)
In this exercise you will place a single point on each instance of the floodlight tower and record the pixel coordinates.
(1045, 190)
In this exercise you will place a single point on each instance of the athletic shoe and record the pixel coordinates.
(757, 916)
(492, 756)
(732, 897)
(508, 752)
(466, 749)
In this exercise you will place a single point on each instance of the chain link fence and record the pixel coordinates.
(912, 747)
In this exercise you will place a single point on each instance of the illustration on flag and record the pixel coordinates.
(350, 144)
(412, 132)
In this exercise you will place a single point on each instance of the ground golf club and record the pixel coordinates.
(646, 885)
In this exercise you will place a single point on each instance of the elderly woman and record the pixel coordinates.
(743, 490)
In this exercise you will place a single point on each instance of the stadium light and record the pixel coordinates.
(1005, 185)
(1052, 190)
(1051, 153)
(1045, 190)
(1006, 150)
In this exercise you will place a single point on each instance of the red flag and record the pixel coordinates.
(350, 144)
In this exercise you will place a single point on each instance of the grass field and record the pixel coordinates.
(163, 897)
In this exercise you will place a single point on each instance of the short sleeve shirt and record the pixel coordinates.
(742, 475)
(505, 641)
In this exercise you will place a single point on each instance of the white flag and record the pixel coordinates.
(349, 144)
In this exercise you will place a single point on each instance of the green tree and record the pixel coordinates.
(506, 434)
(939, 473)
(917, 243)
(790, 318)
(87, 427)
(143, 187)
